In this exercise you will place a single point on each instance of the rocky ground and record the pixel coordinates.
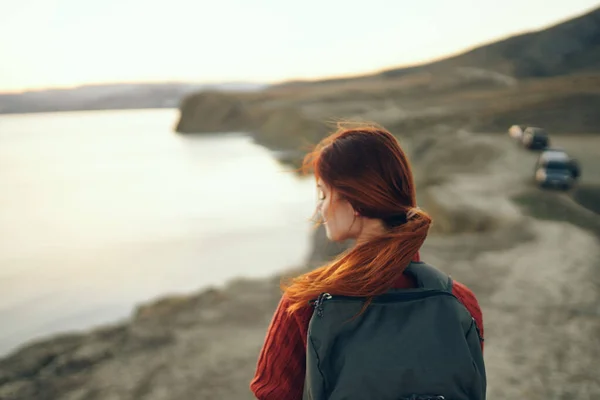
(537, 279)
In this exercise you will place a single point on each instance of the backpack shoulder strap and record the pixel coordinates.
(429, 277)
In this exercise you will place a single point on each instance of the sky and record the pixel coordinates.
(63, 43)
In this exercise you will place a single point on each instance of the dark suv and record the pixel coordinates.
(554, 168)
(535, 138)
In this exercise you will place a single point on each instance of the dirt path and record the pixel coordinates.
(538, 283)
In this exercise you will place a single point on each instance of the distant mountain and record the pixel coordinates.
(565, 48)
(569, 47)
(112, 96)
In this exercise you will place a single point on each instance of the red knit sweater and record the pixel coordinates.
(281, 363)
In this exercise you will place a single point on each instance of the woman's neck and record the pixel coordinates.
(371, 228)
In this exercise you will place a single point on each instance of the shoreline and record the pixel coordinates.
(57, 280)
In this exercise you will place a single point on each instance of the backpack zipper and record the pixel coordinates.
(318, 304)
(384, 298)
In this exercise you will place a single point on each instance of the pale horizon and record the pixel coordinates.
(67, 44)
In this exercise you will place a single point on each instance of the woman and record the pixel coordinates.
(367, 194)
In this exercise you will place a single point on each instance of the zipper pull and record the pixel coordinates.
(318, 304)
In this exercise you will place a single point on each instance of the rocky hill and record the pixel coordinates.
(572, 46)
(568, 47)
(549, 78)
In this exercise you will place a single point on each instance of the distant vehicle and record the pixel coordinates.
(516, 131)
(555, 169)
(535, 138)
(558, 154)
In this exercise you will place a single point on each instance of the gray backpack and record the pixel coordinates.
(417, 344)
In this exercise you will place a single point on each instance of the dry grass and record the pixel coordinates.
(288, 117)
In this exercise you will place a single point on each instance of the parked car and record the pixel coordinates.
(556, 153)
(556, 169)
(516, 131)
(534, 138)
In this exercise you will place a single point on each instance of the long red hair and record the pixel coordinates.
(367, 167)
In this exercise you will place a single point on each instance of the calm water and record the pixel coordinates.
(103, 210)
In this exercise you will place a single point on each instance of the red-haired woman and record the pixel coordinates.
(367, 194)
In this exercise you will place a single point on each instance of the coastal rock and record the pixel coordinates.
(214, 112)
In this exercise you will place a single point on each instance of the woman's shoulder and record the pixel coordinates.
(285, 303)
(469, 300)
(290, 324)
(301, 315)
(464, 294)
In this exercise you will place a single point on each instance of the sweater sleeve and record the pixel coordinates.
(468, 299)
(281, 363)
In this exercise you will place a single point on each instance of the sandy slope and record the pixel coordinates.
(538, 284)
